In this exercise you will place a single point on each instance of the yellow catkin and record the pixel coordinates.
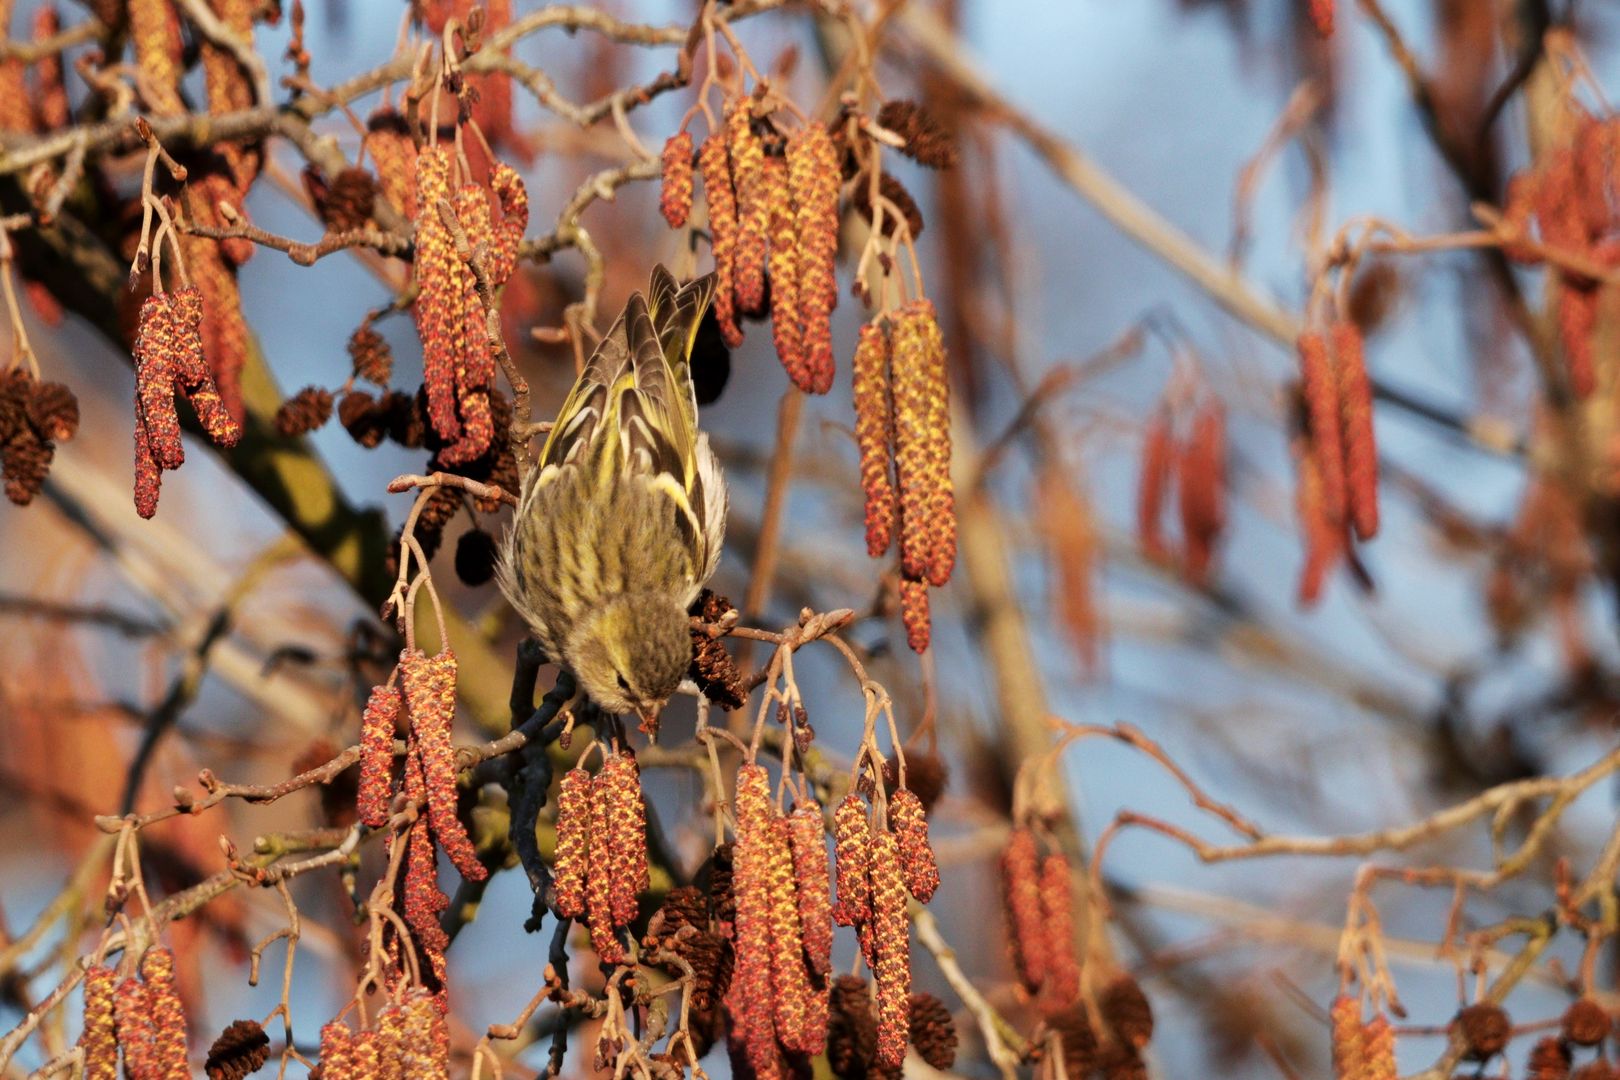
(916, 383)
(892, 946)
(599, 877)
(786, 332)
(626, 838)
(813, 180)
(675, 168)
(874, 435)
(752, 982)
(852, 860)
(714, 162)
(1349, 1053)
(99, 1039)
(154, 27)
(573, 842)
(918, 867)
(753, 211)
(439, 320)
(393, 154)
(914, 614)
(168, 1016)
(800, 1025)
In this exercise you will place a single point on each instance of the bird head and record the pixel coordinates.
(631, 654)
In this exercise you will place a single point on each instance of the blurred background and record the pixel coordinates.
(1476, 650)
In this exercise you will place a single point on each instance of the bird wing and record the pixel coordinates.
(633, 410)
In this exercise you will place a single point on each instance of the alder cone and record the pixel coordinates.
(1485, 1030)
(240, 1050)
(933, 1032)
(1549, 1060)
(1586, 1022)
(1127, 1012)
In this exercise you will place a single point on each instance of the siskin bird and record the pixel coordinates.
(621, 520)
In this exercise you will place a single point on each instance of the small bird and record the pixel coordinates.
(621, 520)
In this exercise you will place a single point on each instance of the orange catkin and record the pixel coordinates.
(852, 861)
(1062, 983)
(337, 1049)
(599, 877)
(752, 980)
(1021, 900)
(440, 291)
(1356, 415)
(430, 697)
(1577, 322)
(167, 1015)
(874, 433)
(1378, 1042)
(626, 837)
(393, 154)
(714, 162)
(892, 946)
(922, 443)
(1349, 1054)
(800, 1024)
(753, 210)
(675, 192)
(132, 1017)
(914, 614)
(99, 1039)
(573, 843)
(1324, 538)
(813, 885)
(1322, 405)
(918, 867)
(377, 755)
(1201, 480)
(1153, 485)
(813, 179)
(786, 332)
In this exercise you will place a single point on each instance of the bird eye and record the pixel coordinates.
(624, 684)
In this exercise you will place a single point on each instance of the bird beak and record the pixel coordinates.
(649, 723)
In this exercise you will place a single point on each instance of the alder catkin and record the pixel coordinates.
(675, 168)
(892, 949)
(1378, 1038)
(1021, 900)
(1062, 983)
(801, 1024)
(168, 1016)
(599, 875)
(627, 836)
(429, 685)
(1153, 485)
(874, 434)
(753, 209)
(752, 981)
(572, 853)
(813, 886)
(787, 331)
(1322, 405)
(1322, 16)
(377, 728)
(1356, 415)
(1201, 483)
(813, 179)
(99, 1037)
(714, 162)
(918, 867)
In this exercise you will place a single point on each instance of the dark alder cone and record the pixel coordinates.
(682, 906)
(475, 557)
(1127, 1012)
(1485, 1030)
(25, 459)
(1586, 1022)
(15, 385)
(53, 411)
(304, 411)
(926, 775)
(927, 141)
(1079, 1043)
(712, 667)
(895, 192)
(241, 1049)
(373, 359)
(712, 961)
(350, 200)
(715, 875)
(402, 412)
(1549, 1060)
(1118, 1062)
(933, 1032)
(361, 418)
(1595, 1070)
(851, 1028)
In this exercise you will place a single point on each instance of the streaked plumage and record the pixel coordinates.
(621, 520)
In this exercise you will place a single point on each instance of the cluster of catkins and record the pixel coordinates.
(1337, 455)
(1195, 461)
(410, 1039)
(458, 360)
(138, 1017)
(1485, 1030)
(170, 356)
(773, 223)
(903, 429)
(1572, 196)
(223, 175)
(34, 417)
(423, 704)
(1038, 901)
(600, 867)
